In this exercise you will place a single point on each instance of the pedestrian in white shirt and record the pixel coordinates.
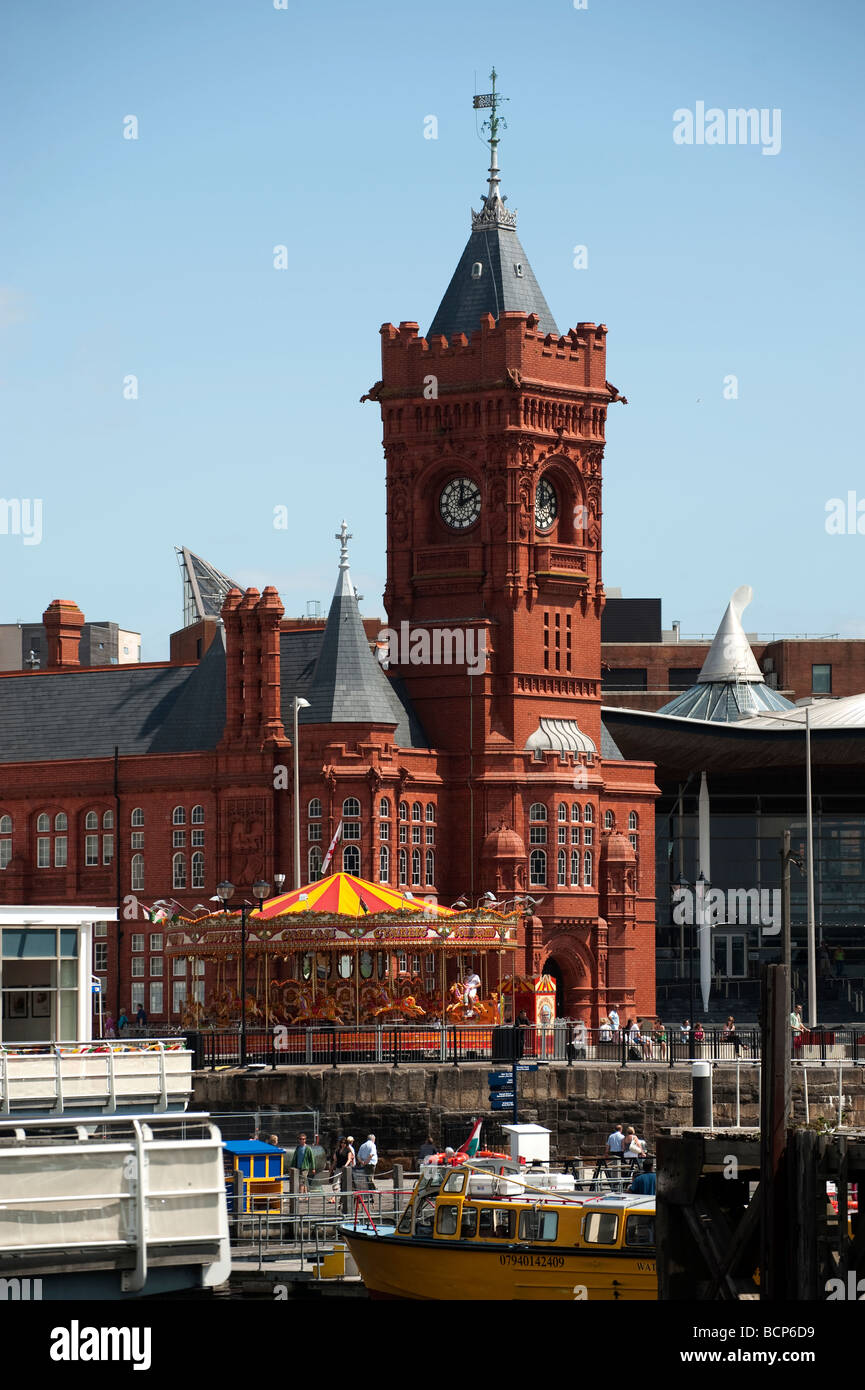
(367, 1158)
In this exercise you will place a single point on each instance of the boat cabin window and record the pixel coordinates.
(405, 1220)
(446, 1218)
(640, 1229)
(496, 1223)
(600, 1228)
(539, 1225)
(425, 1211)
(469, 1223)
(455, 1182)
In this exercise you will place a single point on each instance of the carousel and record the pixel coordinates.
(346, 951)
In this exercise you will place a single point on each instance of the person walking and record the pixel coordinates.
(110, 1027)
(367, 1159)
(141, 1017)
(343, 1157)
(304, 1162)
(797, 1027)
(122, 1022)
(614, 1022)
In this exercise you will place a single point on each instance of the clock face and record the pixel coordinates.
(546, 505)
(460, 503)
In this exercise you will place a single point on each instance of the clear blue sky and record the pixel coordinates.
(304, 127)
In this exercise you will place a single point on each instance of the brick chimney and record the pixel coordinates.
(269, 611)
(233, 667)
(63, 621)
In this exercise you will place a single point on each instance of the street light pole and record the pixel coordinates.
(297, 704)
(812, 947)
(225, 892)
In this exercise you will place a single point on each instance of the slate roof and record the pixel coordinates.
(337, 673)
(498, 290)
(50, 716)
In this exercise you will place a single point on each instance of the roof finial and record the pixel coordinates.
(493, 208)
(343, 535)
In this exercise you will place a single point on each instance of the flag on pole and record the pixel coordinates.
(329, 855)
(473, 1143)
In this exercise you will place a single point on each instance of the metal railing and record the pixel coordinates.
(561, 1042)
(290, 1231)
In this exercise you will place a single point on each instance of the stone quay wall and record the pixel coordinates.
(578, 1104)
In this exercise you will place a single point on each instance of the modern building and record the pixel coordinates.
(644, 665)
(750, 743)
(24, 646)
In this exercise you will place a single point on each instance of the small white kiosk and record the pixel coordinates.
(46, 958)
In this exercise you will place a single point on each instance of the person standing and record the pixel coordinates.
(797, 1027)
(304, 1162)
(615, 1149)
(367, 1159)
(614, 1022)
(343, 1157)
(122, 1022)
(426, 1150)
(645, 1181)
(110, 1029)
(141, 1017)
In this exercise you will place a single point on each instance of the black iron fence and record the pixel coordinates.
(560, 1042)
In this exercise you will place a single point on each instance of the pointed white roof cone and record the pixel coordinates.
(730, 657)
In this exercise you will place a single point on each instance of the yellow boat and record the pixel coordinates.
(497, 1230)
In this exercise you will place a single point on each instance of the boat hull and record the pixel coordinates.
(394, 1266)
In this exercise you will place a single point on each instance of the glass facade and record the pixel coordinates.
(39, 983)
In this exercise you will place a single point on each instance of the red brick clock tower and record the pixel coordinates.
(494, 437)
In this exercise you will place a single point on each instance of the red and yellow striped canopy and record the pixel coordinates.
(342, 895)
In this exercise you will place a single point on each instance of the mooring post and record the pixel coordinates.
(701, 1095)
(774, 1118)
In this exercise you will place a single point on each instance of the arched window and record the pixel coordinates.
(384, 864)
(351, 859)
(403, 810)
(197, 815)
(403, 866)
(575, 868)
(416, 811)
(587, 869)
(314, 810)
(351, 808)
(575, 811)
(107, 820)
(590, 813)
(608, 820)
(91, 821)
(138, 816)
(538, 867)
(198, 870)
(562, 869)
(60, 822)
(179, 816)
(314, 863)
(538, 824)
(430, 811)
(137, 873)
(632, 820)
(384, 808)
(563, 811)
(430, 868)
(5, 825)
(415, 868)
(179, 871)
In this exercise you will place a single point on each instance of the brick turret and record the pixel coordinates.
(63, 621)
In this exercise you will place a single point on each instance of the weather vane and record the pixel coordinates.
(492, 212)
(492, 100)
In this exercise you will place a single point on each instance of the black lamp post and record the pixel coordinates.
(225, 892)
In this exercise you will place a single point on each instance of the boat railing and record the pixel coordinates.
(54, 1077)
(132, 1191)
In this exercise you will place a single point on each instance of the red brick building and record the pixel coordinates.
(477, 763)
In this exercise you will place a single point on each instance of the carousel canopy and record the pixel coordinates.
(345, 895)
